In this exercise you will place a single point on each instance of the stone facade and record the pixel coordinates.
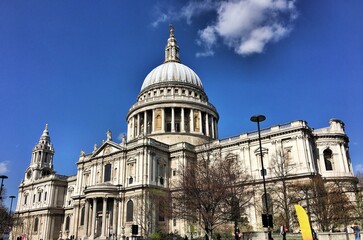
(171, 123)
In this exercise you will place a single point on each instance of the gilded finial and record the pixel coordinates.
(171, 30)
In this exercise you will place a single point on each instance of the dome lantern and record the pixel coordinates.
(172, 49)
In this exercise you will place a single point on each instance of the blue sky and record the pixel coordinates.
(79, 66)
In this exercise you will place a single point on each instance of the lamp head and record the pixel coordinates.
(258, 118)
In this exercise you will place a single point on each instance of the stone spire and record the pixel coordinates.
(45, 136)
(172, 49)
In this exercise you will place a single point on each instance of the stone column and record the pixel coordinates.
(213, 131)
(200, 122)
(344, 160)
(114, 216)
(94, 212)
(182, 127)
(191, 119)
(172, 120)
(207, 124)
(153, 121)
(119, 218)
(104, 208)
(163, 120)
(145, 123)
(86, 217)
(133, 128)
(216, 128)
(47, 227)
(138, 125)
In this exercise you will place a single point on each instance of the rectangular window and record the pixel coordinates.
(39, 197)
(26, 199)
(34, 198)
(107, 173)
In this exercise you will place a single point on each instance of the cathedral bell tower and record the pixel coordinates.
(41, 163)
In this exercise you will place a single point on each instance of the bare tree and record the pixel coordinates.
(341, 206)
(313, 195)
(358, 206)
(282, 168)
(327, 204)
(211, 191)
(152, 209)
(4, 219)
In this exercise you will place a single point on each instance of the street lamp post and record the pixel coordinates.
(1, 186)
(258, 119)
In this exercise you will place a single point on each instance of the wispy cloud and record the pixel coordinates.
(4, 167)
(207, 39)
(359, 168)
(194, 8)
(246, 26)
(161, 19)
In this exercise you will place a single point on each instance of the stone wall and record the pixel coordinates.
(335, 236)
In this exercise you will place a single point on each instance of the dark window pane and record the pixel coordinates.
(107, 176)
(129, 211)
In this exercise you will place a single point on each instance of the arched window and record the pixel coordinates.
(68, 219)
(107, 173)
(130, 211)
(82, 217)
(36, 223)
(328, 157)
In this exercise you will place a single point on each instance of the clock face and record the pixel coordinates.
(29, 174)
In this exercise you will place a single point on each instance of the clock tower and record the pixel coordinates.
(42, 158)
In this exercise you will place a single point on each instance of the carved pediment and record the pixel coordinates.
(106, 149)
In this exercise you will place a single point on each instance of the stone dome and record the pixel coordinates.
(172, 106)
(172, 72)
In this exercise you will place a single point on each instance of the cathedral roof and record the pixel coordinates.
(172, 71)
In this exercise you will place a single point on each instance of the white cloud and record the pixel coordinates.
(246, 26)
(161, 19)
(208, 39)
(359, 168)
(195, 8)
(206, 53)
(4, 167)
(259, 37)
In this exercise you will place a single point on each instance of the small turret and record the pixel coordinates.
(337, 125)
